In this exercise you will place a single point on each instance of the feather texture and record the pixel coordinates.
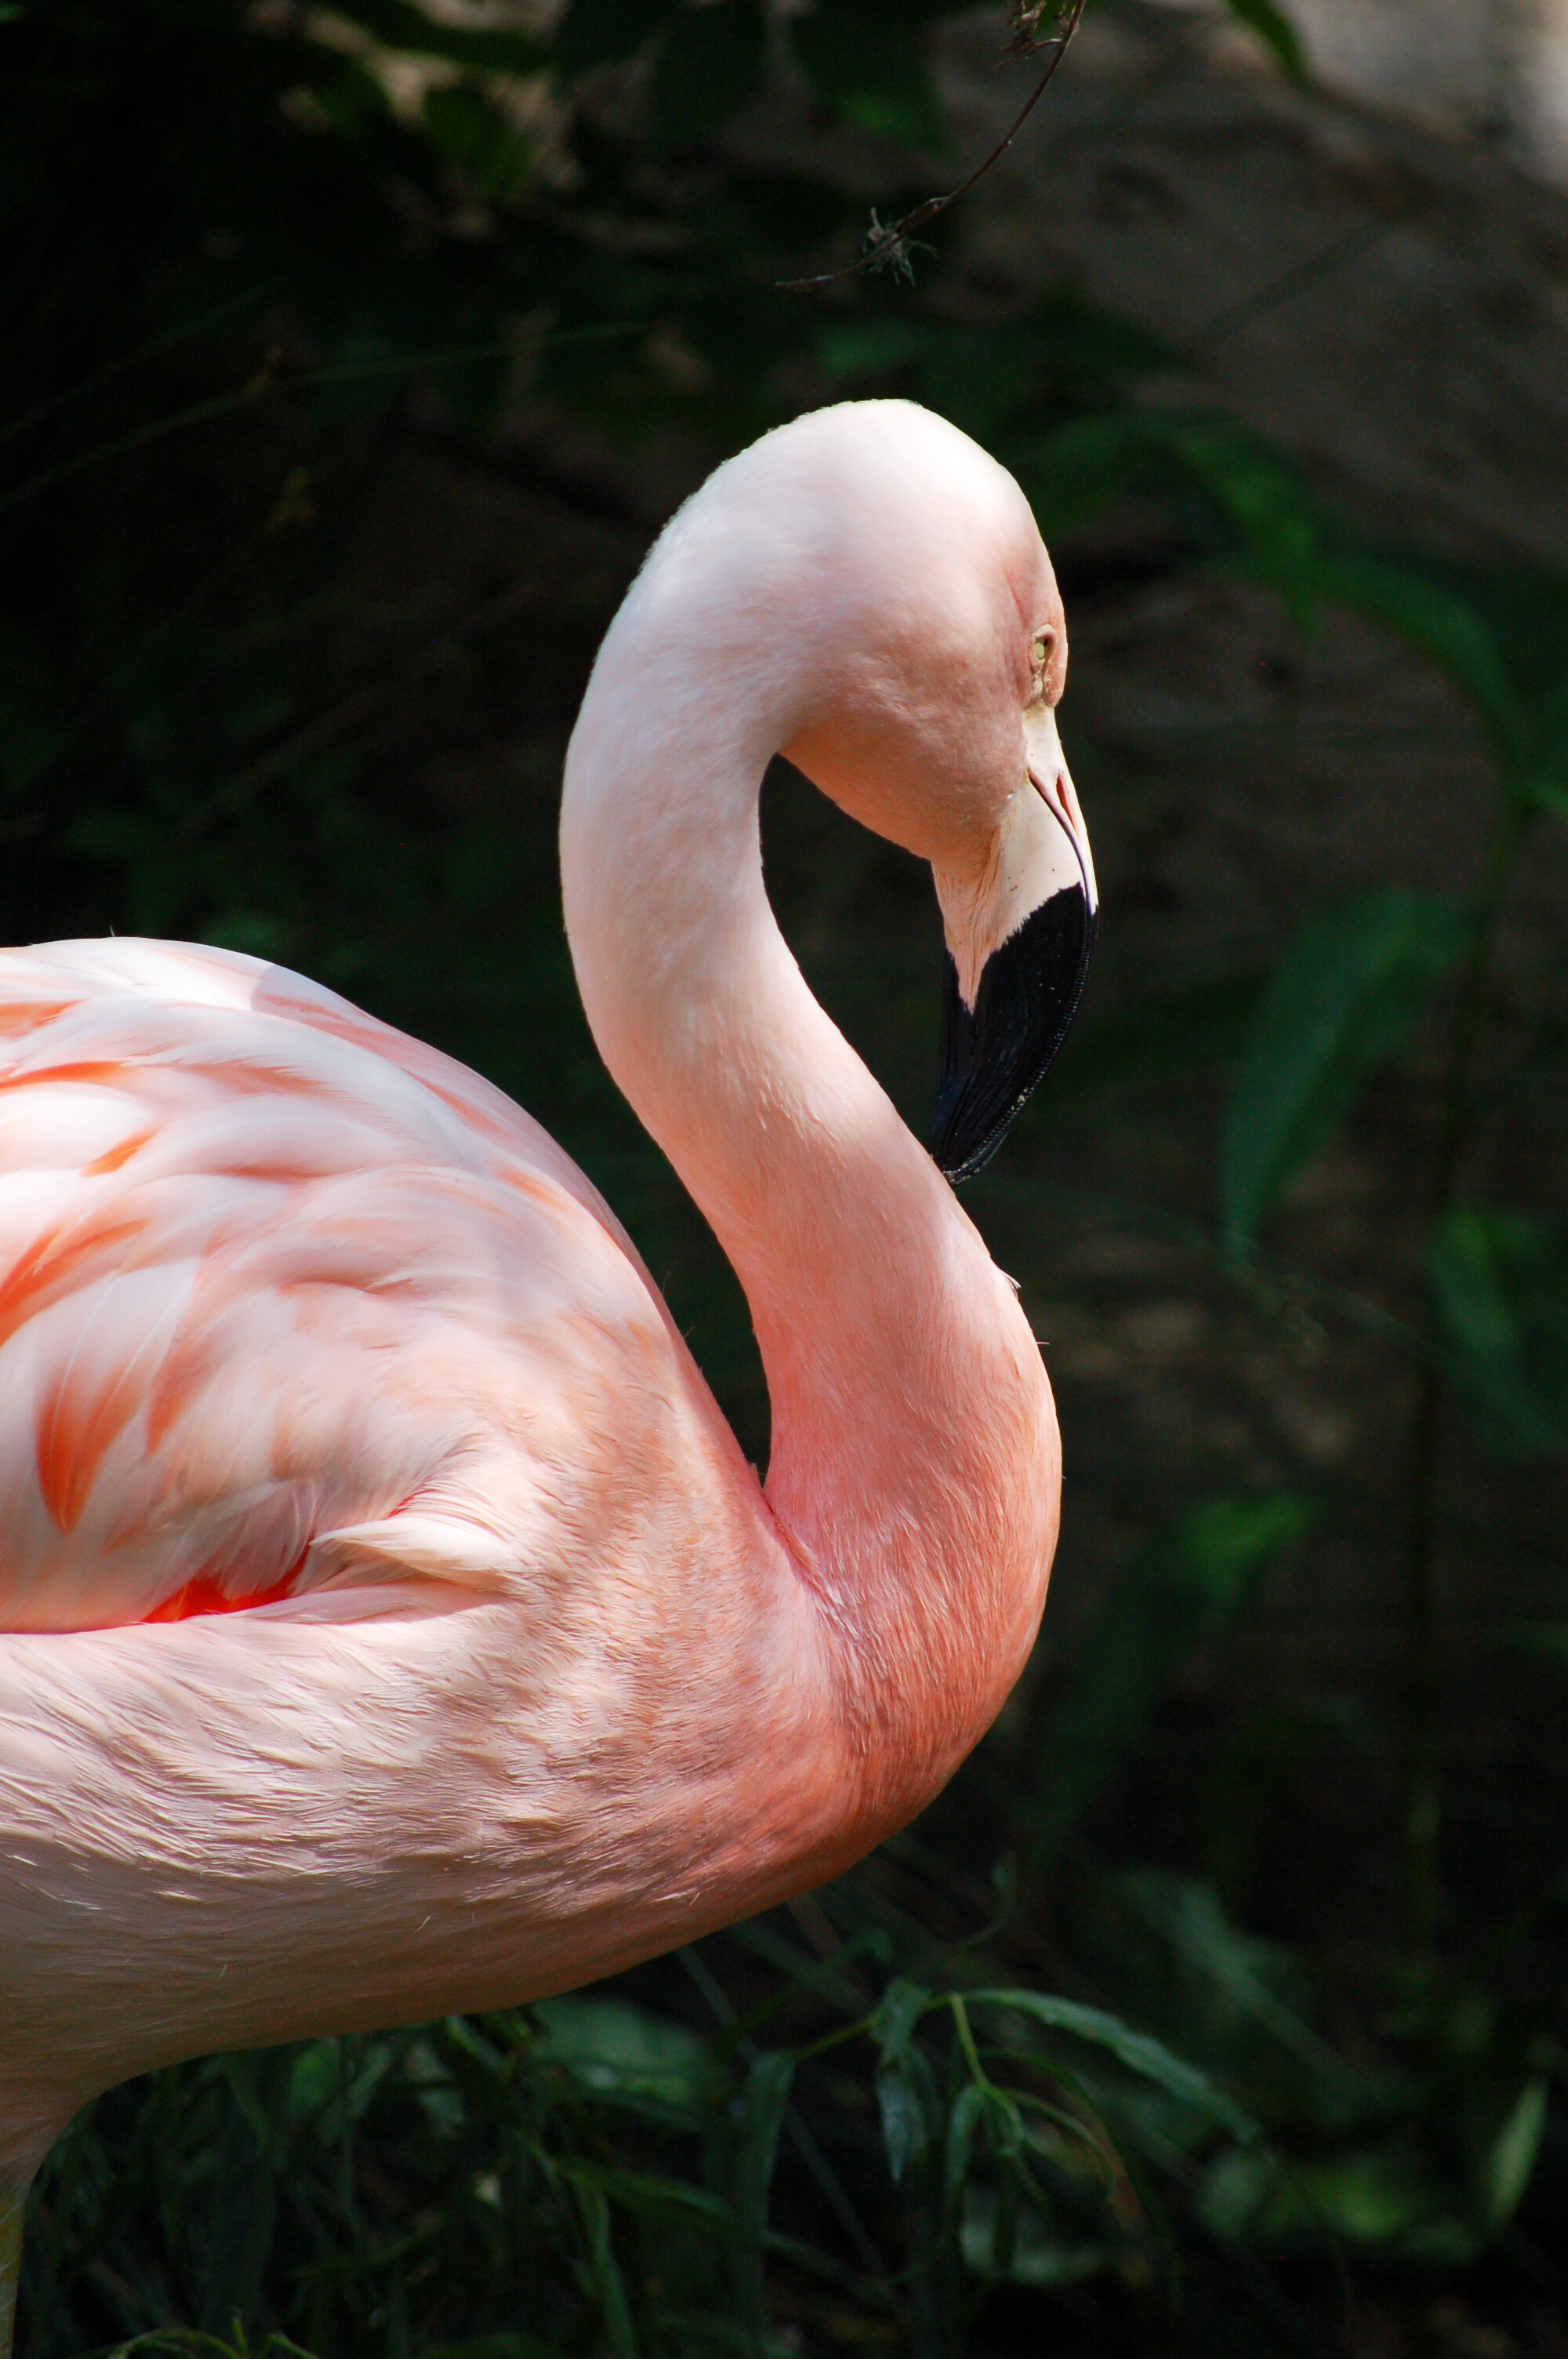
(288, 1299)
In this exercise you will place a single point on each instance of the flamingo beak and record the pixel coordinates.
(1019, 942)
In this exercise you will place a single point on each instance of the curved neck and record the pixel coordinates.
(914, 1468)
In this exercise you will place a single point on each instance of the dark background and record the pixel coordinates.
(351, 359)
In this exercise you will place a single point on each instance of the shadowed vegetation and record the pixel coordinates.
(352, 358)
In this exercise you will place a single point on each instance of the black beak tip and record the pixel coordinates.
(995, 1054)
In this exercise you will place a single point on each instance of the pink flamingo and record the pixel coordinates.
(392, 1623)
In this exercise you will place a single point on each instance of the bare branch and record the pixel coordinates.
(888, 244)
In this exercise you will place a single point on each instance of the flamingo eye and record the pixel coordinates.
(1040, 649)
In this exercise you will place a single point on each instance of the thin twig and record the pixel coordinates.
(183, 333)
(886, 244)
(1300, 277)
(271, 378)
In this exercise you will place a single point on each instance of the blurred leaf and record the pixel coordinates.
(439, 2097)
(1508, 2164)
(1280, 522)
(348, 96)
(995, 383)
(1177, 1593)
(1345, 996)
(1232, 2003)
(611, 2046)
(1540, 777)
(1274, 28)
(331, 2085)
(1395, 2198)
(1528, 611)
(898, 2011)
(603, 2270)
(1499, 1286)
(761, 2112)
(980, 378)
(400, 25)
(1097, 346)
(968, 2111)
(869, 345)
(1445, 626)
(1039, 2253)
(1504, 646)
(708, 64)
(898, 2101)
(1074, 474)
(1384, 2199)
(666, 2199)
(863, 60)
(1255, 505)
(1502, 640)
(472, 131)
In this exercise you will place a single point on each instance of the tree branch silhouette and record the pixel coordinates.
(889, 243)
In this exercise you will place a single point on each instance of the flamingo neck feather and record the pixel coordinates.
(914, 1470)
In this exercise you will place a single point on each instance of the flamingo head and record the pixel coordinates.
(940, 654)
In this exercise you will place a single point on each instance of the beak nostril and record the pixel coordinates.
(1052, 791)
(1060, 799)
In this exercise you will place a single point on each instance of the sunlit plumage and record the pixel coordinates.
(391, 1622)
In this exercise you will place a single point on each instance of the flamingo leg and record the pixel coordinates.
(12, 2204)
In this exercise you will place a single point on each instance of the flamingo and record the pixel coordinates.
(390, 1624)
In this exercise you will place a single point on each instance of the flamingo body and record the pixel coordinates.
(389, 1623)
(311, 1329)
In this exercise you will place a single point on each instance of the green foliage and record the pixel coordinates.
(1499, 1282)
(1502, 643)
(1447, 627)
(1144, 2057)
(862, 60)
(607, 2174)
(1502, 640)
(1392, 2199)
(1062, 355)
(255, 256)
(708, 64)
(1343, 998)
(1275, 29)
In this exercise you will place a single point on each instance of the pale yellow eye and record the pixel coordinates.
(1039, 648)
